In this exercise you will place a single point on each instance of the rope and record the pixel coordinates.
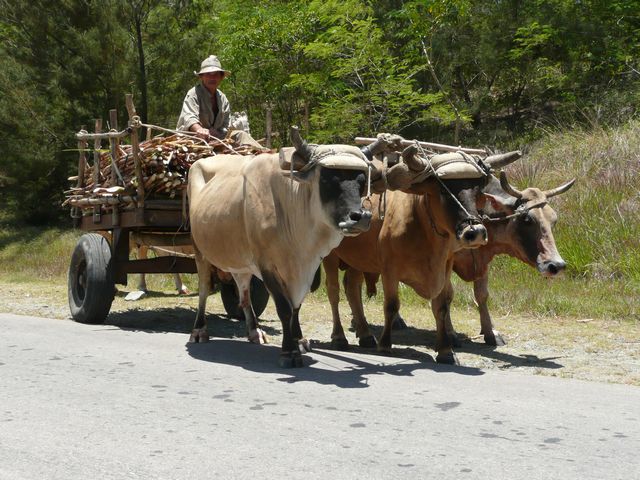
(442, 184)
(520, 211)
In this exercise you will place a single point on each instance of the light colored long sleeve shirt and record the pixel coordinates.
(197, 108)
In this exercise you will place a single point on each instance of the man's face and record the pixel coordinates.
(212, 80)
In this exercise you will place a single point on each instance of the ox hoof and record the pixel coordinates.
(448, 358)
(258, 336)
(384, 348)
(340, 344)
(368, 342)
(455, 341)
(399, 323)
(304, 345)
(199, 335)
(494, 339)
(184, 291)
(290, 360)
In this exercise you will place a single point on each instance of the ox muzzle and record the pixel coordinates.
(551, 268)
(472, 233)
(359, 221)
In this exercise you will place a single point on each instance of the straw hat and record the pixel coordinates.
(211, 64)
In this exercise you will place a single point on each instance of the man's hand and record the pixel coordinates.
(200, 131)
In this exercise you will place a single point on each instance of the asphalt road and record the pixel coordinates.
(100, 402)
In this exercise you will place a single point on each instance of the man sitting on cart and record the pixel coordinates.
(206, 110)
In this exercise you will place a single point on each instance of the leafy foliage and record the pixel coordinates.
(442, 70)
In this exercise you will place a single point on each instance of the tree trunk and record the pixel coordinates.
(142, 105)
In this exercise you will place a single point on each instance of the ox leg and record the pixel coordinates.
(180, 287)
(446, 296)
(142, 280)
(199, 332)
(290, 355)
(331, 266)
(254, 332)
(353, 280)
(481, 294)
(391, 309)
(304, 345)
(444, 348)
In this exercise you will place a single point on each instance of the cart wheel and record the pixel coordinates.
(91, 287)
(231, 299)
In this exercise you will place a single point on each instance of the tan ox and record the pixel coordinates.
(249, 217)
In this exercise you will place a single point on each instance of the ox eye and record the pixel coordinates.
(527, 219)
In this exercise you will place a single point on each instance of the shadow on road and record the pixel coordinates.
(324, 367)
(178, 320)
(419, 337)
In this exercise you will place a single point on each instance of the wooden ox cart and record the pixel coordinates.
(134, 191)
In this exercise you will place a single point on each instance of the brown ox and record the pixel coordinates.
(413, 244)
(249, 217)
(520, 224)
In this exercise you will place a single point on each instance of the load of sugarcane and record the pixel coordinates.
(164, 162)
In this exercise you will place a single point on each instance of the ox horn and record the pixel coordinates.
(302, 147)
(502, 159)
(560, 189)
(504, 183)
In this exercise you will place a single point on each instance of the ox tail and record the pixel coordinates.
(317, 278)
(370, 280)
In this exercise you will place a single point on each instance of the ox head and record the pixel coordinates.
(522, 222)
(342, 173)
(458, 187)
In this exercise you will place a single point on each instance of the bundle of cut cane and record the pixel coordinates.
(165, 162)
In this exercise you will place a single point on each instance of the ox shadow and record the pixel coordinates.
(324, 367)
(418, 337)
(178, 320)
(508, 360)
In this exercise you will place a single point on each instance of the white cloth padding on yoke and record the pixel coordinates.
(455, 165)
(345, 157)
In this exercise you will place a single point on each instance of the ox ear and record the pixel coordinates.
(287, 156)
(490, 204)
(301, 177)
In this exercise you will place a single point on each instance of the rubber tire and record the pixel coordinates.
(90, 281)
(231, 299)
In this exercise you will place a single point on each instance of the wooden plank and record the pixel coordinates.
(162, 239)
(151, 220)
(102, 136)
(433, 146)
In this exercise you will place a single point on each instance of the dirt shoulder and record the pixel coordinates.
(587, 349)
